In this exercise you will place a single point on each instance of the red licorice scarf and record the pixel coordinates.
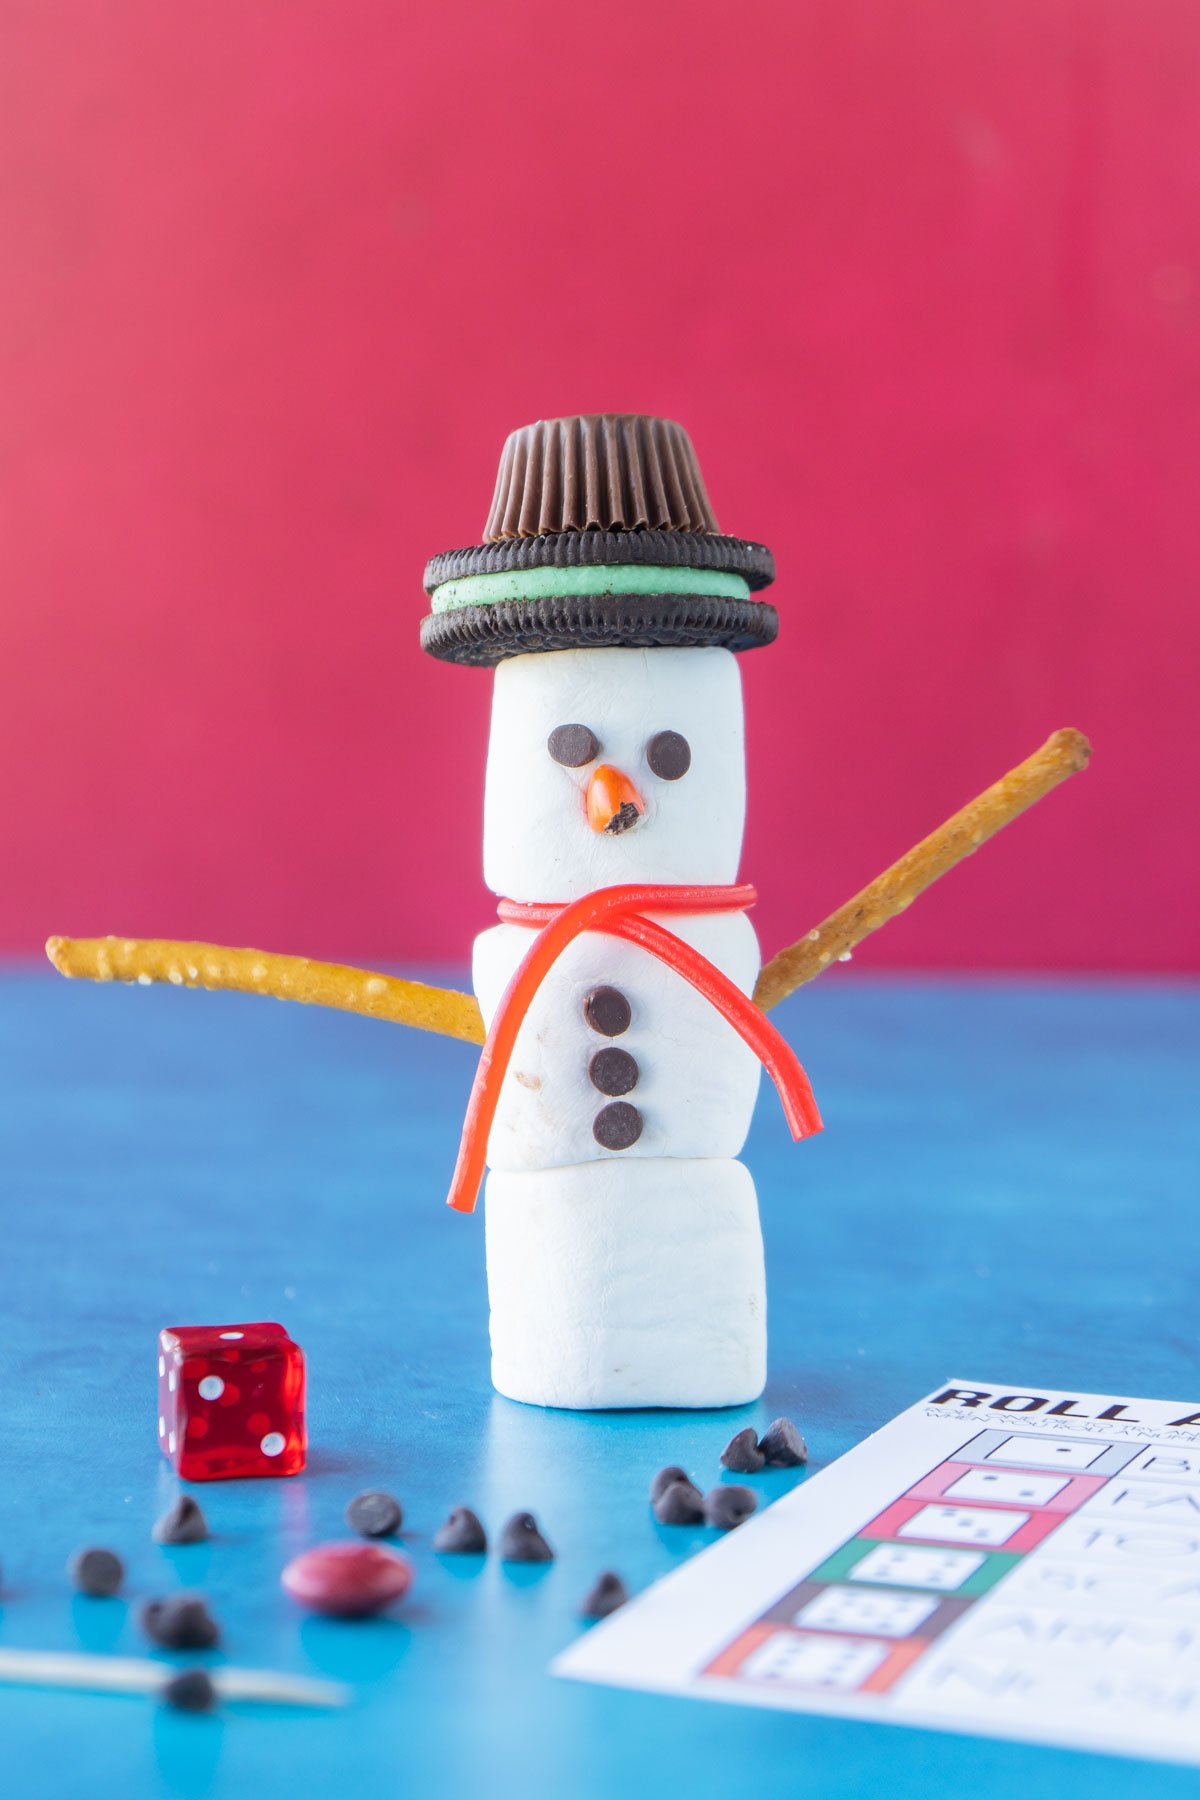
(620, 911)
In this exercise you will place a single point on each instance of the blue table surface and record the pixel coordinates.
(1005, 1190)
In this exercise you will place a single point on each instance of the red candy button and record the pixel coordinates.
(348, 1580)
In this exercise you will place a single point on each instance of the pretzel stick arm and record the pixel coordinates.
(443, 1010)
(1066, 753)
(147, 960)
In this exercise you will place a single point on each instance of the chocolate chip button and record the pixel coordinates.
(613, 1071)
(607, 1011)
(617, 1125)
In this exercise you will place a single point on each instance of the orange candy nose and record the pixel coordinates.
(613, 803)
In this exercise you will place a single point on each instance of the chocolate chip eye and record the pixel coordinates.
(669, 755)
(574, 745)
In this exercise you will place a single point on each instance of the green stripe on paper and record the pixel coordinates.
(615, 578)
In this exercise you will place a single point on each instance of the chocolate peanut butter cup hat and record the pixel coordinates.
(600, 535)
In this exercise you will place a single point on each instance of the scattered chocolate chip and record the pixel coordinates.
(679, 1504)
(374, 1514)
(190, 1691)
(573, 745)
(669, 755)
(607, 1011)
(613, 1071)
(97, 1572)
(783, 1446)
(726, 1507)
(617, 1126)
(665, 1477)
(608, 1593)
(462, 1534)
(182, 1523)
(180, 1622)
(521, 1541)
(742, 1454)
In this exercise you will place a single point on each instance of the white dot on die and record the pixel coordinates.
(162, 1367)
(272, 1444)
(171, 1382)
(211, 1387)
(171, 1443)
(162, 1427)
(231, 1334)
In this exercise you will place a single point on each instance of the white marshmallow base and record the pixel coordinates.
(627, 1283)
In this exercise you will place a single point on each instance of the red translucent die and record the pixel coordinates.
(230, 1401)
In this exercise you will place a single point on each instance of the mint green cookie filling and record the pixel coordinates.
(616, 578)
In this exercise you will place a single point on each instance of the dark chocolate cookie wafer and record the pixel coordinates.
(485, 635)
(592, 549)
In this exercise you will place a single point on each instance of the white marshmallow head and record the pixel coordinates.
(649, 786)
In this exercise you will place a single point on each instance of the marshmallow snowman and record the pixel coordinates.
(620, 1274)
(622, 1042)
(624, 1253)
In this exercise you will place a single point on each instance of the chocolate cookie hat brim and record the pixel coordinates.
(601, 534)
(485, 635)
(604, 549)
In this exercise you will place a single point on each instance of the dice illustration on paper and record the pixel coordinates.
(905, 1565)
(862, 1609)
(964, 1525)
(835, 1664)
(1005, 1486)
(1048, 1453)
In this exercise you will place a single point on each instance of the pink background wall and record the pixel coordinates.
(922, 281)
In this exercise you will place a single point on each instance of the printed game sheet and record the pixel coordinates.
(997, 1561)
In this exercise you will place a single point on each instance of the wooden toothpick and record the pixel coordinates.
(137, 1675)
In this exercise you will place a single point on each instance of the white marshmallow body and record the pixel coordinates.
(697, 1081)
(634, 1277)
